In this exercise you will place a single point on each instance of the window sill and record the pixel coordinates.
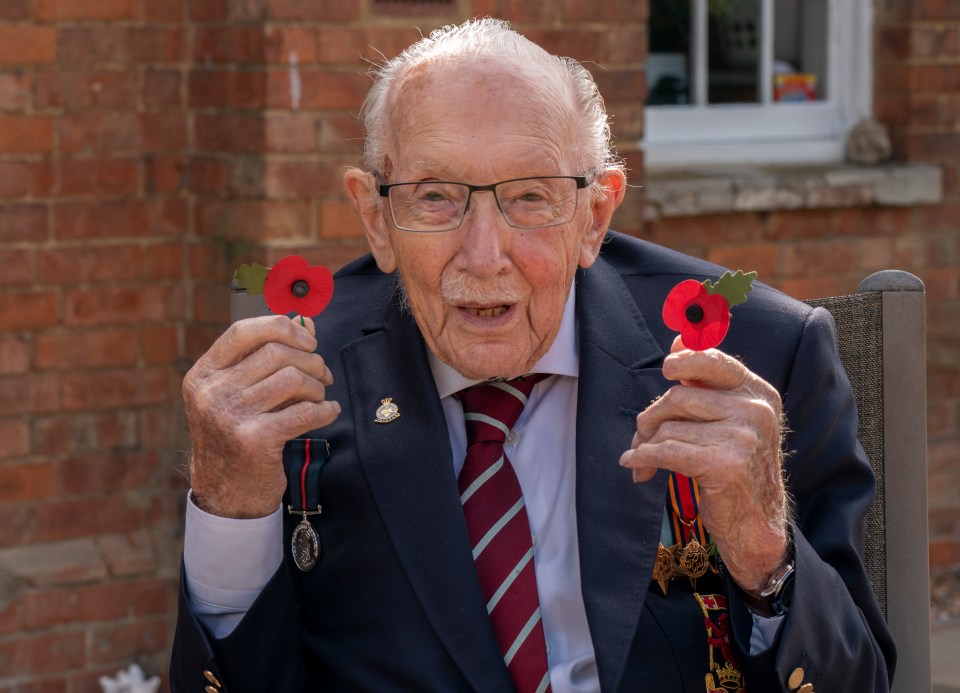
(694, 192)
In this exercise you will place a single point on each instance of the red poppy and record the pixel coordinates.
(293, 286)
(700, 317)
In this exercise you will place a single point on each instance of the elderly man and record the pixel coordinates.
(463, 477)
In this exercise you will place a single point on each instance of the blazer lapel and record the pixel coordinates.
(618, 521)
(408, 467)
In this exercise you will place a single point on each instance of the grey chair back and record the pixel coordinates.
(881, 338)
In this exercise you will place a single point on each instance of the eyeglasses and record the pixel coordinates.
(526, 203)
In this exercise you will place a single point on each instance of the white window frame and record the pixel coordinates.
(769, 132)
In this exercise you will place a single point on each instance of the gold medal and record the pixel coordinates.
(665, 566)
(694, 561)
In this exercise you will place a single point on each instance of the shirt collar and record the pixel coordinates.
(562, 358)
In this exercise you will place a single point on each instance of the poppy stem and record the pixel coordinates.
(302, 323)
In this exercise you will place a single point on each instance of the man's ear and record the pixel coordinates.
(613, 185)
(360, 187)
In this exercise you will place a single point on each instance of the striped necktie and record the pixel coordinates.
(500, 531)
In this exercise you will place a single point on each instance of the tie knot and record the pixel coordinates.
(490, 410)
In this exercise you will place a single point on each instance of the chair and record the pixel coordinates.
(882, 346)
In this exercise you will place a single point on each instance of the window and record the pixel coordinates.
(761, 81)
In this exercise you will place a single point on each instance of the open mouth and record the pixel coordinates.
(490, 312)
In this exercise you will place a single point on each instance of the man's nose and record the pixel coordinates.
(486, 236)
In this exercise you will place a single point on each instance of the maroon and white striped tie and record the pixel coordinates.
(500, 531)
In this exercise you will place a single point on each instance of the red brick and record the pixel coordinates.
(74, 90)
(73, 349)
(321, 89)
(120, 44)
(285, 179)
(229, 45)
(332, 256)
(200, 337)
(45, 608)
(16, 439)
(230, 133)
(354, 46)
(290, 133)
(24, 44)
(25, 134)
(518, 10)
(577, 43)
(162, 132)
(65, 10)
(100, 132)
(108, 431)
(29, 394)
(340, 133)
(322, 10)
(25, 482)
(131, 553)
(56, 563)
(72, 265)
(98, 177)
(106, 219)
(816, 288)
(14, 92)
(159, 345)
(118, 644)
(42, 654)
(160, 427)
(122, 305)
(106, 472)
(108, 389)
(208, 175)
(14, 355)
(337, 219)
(163, 10)
(164, 173)
(209, 10)
(15, 9)
(210, 305)
(161, 89)
(10, 620)
(14, 180)
(163, 261)
(228, 89)
(27, 310)
(761, 258)
(255, 220)
(17, 267)
(283, 42)
(87, 517)
(944, 555)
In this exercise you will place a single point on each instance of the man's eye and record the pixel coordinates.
(433, 196)
(531, 196)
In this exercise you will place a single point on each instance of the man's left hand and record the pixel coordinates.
(721, 425)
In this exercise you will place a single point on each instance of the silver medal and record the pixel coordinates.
(305, 546)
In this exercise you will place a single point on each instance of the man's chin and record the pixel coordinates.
(483, 364)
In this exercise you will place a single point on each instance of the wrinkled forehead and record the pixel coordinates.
(475, 105)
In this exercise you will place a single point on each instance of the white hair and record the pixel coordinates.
(492, 39)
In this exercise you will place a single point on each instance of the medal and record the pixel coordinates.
(303, 459)
(305, 545)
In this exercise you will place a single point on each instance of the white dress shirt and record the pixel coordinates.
(542, 451)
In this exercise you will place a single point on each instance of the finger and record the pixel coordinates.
(297, 419)
(246, 336)
(712, 368)
(685, 403)
(273, 357)
(282, 388)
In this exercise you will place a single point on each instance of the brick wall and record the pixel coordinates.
(148, 147)
(92, 276)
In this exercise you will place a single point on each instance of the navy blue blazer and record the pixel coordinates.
(394, 603)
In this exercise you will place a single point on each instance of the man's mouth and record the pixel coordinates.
(490, 312)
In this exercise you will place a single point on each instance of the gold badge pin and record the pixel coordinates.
(387, 411)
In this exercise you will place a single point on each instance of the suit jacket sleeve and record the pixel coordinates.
(834, 629)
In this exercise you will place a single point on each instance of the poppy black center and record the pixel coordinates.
(300, 288)
(694, 313)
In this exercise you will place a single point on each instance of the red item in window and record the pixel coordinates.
(294, 286)
(701, 318)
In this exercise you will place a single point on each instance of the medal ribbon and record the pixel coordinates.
(684, 505)
(303, 458)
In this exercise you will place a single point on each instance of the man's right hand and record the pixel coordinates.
(258, 386)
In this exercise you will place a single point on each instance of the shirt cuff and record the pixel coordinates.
(763, 633)
(227, 562)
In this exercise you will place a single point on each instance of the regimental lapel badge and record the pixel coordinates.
(387, 411)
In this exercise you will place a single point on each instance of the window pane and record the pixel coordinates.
(800, 50)
(734, 51)
(669, 62)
